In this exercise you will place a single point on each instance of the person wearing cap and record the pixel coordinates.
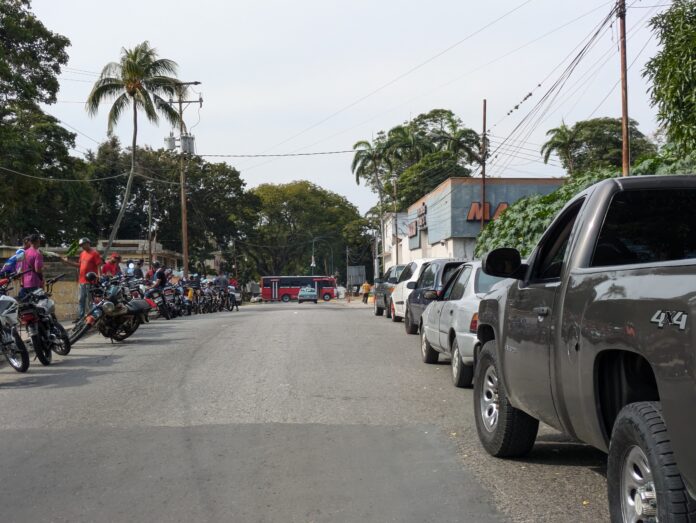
(112, 267)
(90, 261)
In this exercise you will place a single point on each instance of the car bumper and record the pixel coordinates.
(467, 346)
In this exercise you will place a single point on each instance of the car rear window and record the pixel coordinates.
(448, 270)
(648, 226)
(484, 282)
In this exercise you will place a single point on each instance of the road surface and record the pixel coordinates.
(276, 413)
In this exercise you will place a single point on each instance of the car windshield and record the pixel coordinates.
(484, 282)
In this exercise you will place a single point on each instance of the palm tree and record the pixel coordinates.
(462, 142)
(368, 160)
(562, 141)
(140, 79)
(407, 146)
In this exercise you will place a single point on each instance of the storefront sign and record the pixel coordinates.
(475, 211)
(413, 229)
(422, 217)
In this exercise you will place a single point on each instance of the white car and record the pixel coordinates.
(399, 295)
(450, 322)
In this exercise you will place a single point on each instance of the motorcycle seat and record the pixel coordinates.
(138, 306)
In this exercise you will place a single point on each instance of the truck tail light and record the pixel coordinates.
(473, 326)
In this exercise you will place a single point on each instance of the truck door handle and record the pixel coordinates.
(542, 311)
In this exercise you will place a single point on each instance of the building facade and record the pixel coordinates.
(446, 222)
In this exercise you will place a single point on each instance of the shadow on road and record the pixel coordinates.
(560, 449)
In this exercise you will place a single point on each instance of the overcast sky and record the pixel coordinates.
(275, 73)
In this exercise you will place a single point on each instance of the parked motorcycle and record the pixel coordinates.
(115, 315)
(37, 313)
(13, 347)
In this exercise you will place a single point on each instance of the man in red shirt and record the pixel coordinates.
(112, 267)
(90, 261)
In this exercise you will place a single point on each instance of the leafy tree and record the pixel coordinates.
(292, 215)
(30, 56)
(673, 73)
(427, 174)
(595, 144)
(138, 80)
(562, 141)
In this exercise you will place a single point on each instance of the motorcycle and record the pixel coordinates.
(13, 347)
(37, 313)
(113, 313)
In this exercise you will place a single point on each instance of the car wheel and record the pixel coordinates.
(316, 301)
(326, 297)
(462, 375)
(394, 317)
(503, 430)
(642, 477)
(387, 309)
(285, 298)
(378, 310)
(428, 354)
(410, 327)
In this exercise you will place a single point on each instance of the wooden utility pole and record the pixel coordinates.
(626, 144)
(149, 230)
(484, 153)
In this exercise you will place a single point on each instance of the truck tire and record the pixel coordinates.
(285, 298)
(503, 430)
(378, 310)
(411, 328)
(428, 354)
(642, 477)
(462, 375)
(394, 317)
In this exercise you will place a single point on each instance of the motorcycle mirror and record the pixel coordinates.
(131, 265)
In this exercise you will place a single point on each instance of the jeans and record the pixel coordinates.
(24, 291)
(83, 305)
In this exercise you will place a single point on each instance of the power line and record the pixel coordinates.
(320, 153)
(76, 180)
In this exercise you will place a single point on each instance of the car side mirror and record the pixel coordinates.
(504, 263)
(392, 280)
(431, 295)
(411, 285)
(378, 281)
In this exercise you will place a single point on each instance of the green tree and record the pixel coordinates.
(562, 141)
(595, 144)
(673, 73)
(31, 56)
(139, 80)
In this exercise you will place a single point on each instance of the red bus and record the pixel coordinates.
(286, 288)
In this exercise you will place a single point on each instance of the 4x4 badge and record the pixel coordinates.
(663, 318)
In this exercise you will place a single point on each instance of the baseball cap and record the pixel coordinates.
(84, 240)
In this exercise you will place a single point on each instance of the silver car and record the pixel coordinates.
(450, 322)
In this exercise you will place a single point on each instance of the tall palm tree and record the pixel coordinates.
(562, 141)
(368, 160)
(462, 142)
(406, 145)
(140, 80)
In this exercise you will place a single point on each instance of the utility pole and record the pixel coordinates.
(484, 153)
(625, 148)
(149, 229)
(181, 91)
(347, 282)
(396, 227)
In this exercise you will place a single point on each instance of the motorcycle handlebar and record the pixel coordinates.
(54, 280)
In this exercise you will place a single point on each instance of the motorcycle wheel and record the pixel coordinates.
(64, 348)
(41, 348)
(18, 355)
(78, 331)
(164, 311)
(125, 329)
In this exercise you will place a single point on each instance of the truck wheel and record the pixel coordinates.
(429, 354)
(411, 328)
(378, 310)
(394, 317)
(503, 430)
(285, 298)
(462, 375)
(326, 297)
(642, 477)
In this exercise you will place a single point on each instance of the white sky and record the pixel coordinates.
(270, 70)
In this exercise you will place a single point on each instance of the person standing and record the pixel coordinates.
(365, 291)
(90, 261)
(32, 266)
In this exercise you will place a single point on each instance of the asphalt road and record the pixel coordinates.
(287, 413)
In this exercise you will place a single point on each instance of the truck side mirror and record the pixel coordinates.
(504, 263)
(411, 285)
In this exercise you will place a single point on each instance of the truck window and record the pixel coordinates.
(647, 226)
(552, 250)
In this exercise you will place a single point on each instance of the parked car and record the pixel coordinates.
(307, 294)
(397, 301)
(434, 276)
(450, 322)
(384, 287)
(592, 336)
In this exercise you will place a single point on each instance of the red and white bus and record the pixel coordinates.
(286, 288)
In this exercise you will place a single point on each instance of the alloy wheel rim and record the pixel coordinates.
(489, 399)
(638, 497)
(15, 357)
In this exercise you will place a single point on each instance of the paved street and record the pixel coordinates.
(276, 413)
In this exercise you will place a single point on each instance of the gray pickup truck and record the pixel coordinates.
(595, 336)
